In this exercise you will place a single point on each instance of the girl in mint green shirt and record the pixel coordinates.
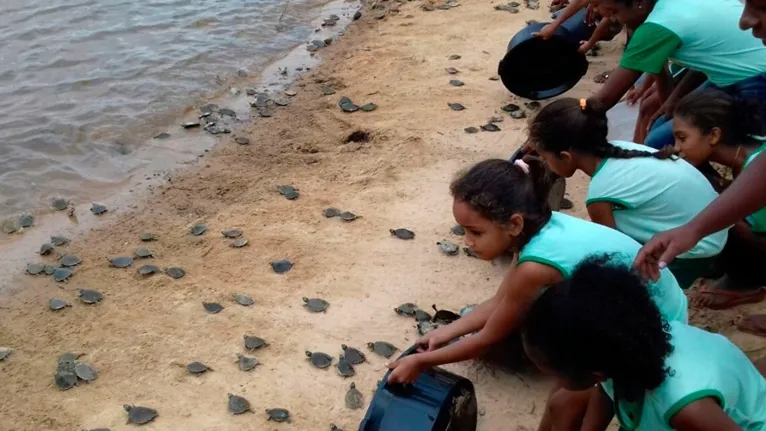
(600, 333)
(711, 126)
(634, 189)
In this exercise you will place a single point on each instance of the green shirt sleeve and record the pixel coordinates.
(650, 48)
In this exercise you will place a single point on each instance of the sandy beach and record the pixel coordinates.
(146, 329)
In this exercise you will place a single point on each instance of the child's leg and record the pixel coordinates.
(565, 410)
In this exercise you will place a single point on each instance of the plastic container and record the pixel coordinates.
(538, 69)
(438, 401)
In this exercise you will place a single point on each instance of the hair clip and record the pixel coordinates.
(583, 103)
(523, 165)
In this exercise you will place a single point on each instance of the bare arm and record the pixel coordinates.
(568, 12)
(703, 415)
(598, 33)
(620, 81)
(600, 411)
(688, 83)
(601, 213)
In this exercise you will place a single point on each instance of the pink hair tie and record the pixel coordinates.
(523, 165)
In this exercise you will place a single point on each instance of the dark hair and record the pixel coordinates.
(602, 319)
(737, 118)
(498, 188)
(565, 126)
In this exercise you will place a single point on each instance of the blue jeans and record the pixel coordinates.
(661, 132)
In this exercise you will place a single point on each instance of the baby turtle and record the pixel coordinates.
(98, 209)
(422, 316)
(238, 405)
(197, 368)
(511, 107)
(354, 398)
(163, 135)
(212, 307)
(331, 212)
(68, 357)
(58, 241)
(242, 299)
(35, 268)
(451, 70)
(458, 230)
(143, 253)
(402, 233)
(333, 427)
(444, 316)
(175, 272)
(51, 269)
(456, 106)
(315, 305)
(406, 309)
(533, 105)
(4, 353)
(232, 233)
(246, 363)
(190, 124)
(448, 248)
(254, 343)
(368, 107)
(518, 114)
(348, 216)
(454, 57)
(90, 296)
(471, 130)
(62, 274)
(239, 243)
(140, 415)
(469, 252)
(345, 369)
(148, 270)
(146, 237)
(352, 355)
(319, 359)
(426, 327)
(59, 204)
(85, 372)
(65, 379)
(383, 348)
(456, 83)
(346, 105)
(199, 229)
(281, 266)
(56, 304)
(241, 140)
(288, 191)
(490, 127)
(70, 260)
(121, 261)
(46, 249)
(26, 220)
(278, 415)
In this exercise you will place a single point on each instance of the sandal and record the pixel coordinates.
(718, 299)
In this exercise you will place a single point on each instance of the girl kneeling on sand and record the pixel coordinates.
(634, 189)
(503, 207)
(600, 332)
(710, 125)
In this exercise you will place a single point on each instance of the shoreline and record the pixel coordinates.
(144, 331)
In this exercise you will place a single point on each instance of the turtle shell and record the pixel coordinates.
(448, 248)
(98, 209)
(232, 233)
(59, 204)
(288, 191)
(239, 243)
(148, 269)
(146, 236)
(319, 359)
(406, 309)
(278, 415)
(90, 296)
(65, 380)
(46, 249)
(4, 353)
(246, 363)
(50, 269)
(175, 272)
(62, 274)
(242, 299)
(383, 348)
(348, 216)
(315, 305)
(70, 260)
(143, 253)
(212, 307)
(456, 106)
(197, 368)
(58, 241)
(354, 398)
(85, 372)
(198, 229)
(444, 316)
(35, 268)
(352, 355)
(26, 220)
(345, 369)
(68, 357)
(281, 266)
(253, 343)
(140, 415)
(422, 316)
(458, 230)
(56, 304)
(331, 212)
(402, 233)
(121, 261)
(238, 405)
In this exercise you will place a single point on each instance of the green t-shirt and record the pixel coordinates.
(565, 241)
(702, 365)
(756, 220)
(702, 35)
(650, 196)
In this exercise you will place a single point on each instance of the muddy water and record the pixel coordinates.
(86, 84)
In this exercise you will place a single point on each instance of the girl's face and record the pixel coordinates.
(631, 16)
(485, 237)
(562, 164)
(691, 144)
(754, 18)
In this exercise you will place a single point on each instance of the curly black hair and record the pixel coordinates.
(498, 188)
(565, 126)
(603, 320)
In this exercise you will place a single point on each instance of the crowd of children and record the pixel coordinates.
(600, 305)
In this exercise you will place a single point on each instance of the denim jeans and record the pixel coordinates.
(661, 132)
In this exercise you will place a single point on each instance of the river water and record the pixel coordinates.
(85, 84)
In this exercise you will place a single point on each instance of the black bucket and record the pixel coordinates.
(438, 401)
(538, 69)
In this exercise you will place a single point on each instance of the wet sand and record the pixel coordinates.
(146, 329)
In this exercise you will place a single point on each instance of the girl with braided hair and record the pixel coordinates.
(634, 189)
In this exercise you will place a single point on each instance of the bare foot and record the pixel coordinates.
(755, 324)
(722, 294)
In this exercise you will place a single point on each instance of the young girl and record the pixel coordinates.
(602, 326)
(712, 126)
(503, 207)
(634, 189)
(606, 29)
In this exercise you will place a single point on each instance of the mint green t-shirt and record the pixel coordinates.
(756, 220)
(702, 365)
(565, 241)
(702, 35)
(649, 196)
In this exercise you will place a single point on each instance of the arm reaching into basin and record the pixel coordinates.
(568, 12)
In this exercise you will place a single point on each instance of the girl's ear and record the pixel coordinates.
(566, 156)
(715, 136)
(515, 225)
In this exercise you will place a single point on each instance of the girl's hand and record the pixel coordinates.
(546, 32)
(406, 370)
(585, 46)
(433, 340)
(590, 15)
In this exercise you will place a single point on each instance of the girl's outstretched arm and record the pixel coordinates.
(600, 411)
(598, 33)
(703, 415)
(601, 213)
(620, 81)
(569, 11)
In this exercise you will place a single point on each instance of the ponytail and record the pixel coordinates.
(738, 119)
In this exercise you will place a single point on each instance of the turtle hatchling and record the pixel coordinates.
(70, 260)
(518, 114)
(444, 316)
(448, 248)
(58, 241)
(278, 415)
(56, 304)
(458, 230)
(65, 379)
(456, 83)
(4, 353)
(232, 233)
(59, 204)
(333, 427)
(406, 309)
(319, 359)
(402, 233)
(143, 253)
(346, 105)
(85, 372)
(368, 107)
(121, 261)
(46, 249)
(62, 274)
(490, 127)
(212, 307)
(456, 106)
(331, 212)
(352, 355)
(348, 216)
(90, 296)
(148, 269)
(146, 236)
(315, 305)
(254, 343)
(426, 327)
(197, 368)
(422, 316)
(199, 229)
(451, 70)
(98, 209)
(469, 252)
(345, 369)
(288, 191)
(51, 269)
(26, 220)
(175, 272)
(354, 398)
(383, 348)
(246, 363)
(238, 243)
(471, 130)
(140, 415)
(281, 266)
(242, 299)
(238, 405)
(35, 268)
